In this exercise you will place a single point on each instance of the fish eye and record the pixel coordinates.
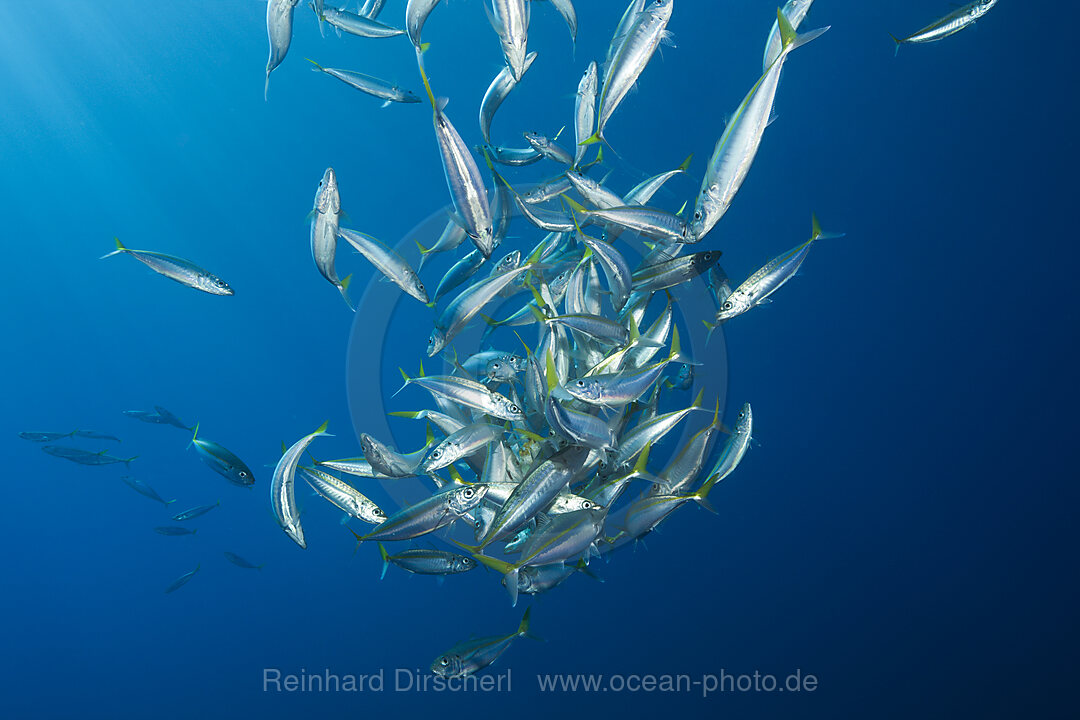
(420, 285)
(444, 661)
(581, 383)
(379, 513)
(514, 408)
(219, 282)
(478, 523)
(707, 256)
(242, 474)
(727, 305)
(495, 366)
(469, 492)
(697, 214)
(586, 505)
(436, 455)
(467, 561)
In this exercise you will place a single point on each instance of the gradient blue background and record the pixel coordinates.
(904, 531)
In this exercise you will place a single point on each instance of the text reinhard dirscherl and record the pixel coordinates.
(416, 680)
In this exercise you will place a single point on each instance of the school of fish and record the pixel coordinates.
(540, 452)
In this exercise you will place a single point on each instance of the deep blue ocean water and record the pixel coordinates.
(904, 530)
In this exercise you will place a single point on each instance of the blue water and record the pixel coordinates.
(904, 531)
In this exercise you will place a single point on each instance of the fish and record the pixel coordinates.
(385, 460)
(388, 92)
(584, 111)
(387, 261)
(425, 561)
(157, 416)
(439, 510)
(467, 441)
(279, 20)
(510, 19)
(645, 514)
(473, 655)
(372, 8)
(342, 495)
(354, 24)
(325, 221)
(467, 305)
(282, 487)
(757, 288)
(735, 448)
(182, 271)
(467, 393)
(496, 93)
(667, 274)
(84, 457)
(467, 190)
(514, 157)
(222, 461)
(960, 18)
(145, 490)
(635, 49)
(461, 271)
(45, 436)
(241, 562)
(194, 512)
(174, 531)
(451, 238)
(569, 14)
(91, 435)
(416, 14)
(735, 151)
(547, 147)
(182, 580)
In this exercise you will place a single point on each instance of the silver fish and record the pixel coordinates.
(795, 11)
(355, 24)
(954, 22)
(282, 488)
(279, 19)
(342, 495)
(145, 490)
(425, 561)
(510, 18)
(468, 657)
(416, 14)
(368, 84)
(584, 111)
(466, 306)
(194, 512)
(387, 261)
(182, 271)
(496, 93)
(241, 562)
(325, 220)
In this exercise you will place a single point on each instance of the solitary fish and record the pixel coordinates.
(393, 267)
(174, 531)
(44, 436)
(757, 288)
(354, 24)
(145, 490)
(240, 562)
(182, 271)
(223, 461)
(182, 580)
(325, 220)
(475, 654)
(951, 24)
(91, 435)
(194, 512)
(84, 457)
(388, 92)
(279, 18)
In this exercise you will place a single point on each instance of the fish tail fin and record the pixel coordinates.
(407, 381)
(474, 550)
(385, 560)
(170, 502)
(898, 42)
(582, 567)
(424, 77)
(343, 288)
(523, 626)
(318, 67)
(816, 233)
(702, 493)
(596, 137)
(711, 327)
(321, 430)
(127, 463)
(358, 536)
(195, 531)
(119, 249)
(685, 166)
(266, 87)
(194, 436)
(792, 40)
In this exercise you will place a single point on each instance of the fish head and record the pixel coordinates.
(661, 10)
(213, 285)
(509, 262)
(436, 342)
(702, 261)
(579, 503)
(327, 198)
(509, 410)
(374, 515)
(444, 454)
(462, 500)
(462, 563)
(448, 666)
(745, 420)
(586, 389)
(239, 475)
(697, 229)
(515, 50)
(736, 304)
(415, 287)
(538, 141)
